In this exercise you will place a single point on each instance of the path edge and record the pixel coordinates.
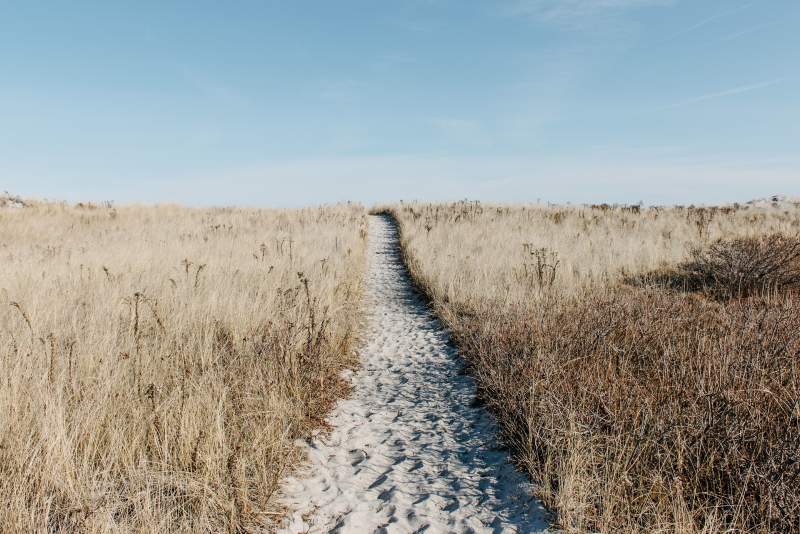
(427, 293)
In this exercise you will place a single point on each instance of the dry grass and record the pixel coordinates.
(157, 363)
(635, 406)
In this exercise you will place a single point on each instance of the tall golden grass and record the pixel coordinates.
(156, 363)
(642, 363)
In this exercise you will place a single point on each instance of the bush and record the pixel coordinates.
(735, 268)
(747, 266)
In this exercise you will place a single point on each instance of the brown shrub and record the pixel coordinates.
(735, 268)
(638, 410)
(747, 266)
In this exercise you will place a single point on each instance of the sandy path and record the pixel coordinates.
(409, 451)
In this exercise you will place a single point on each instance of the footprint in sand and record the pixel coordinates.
(409, 451)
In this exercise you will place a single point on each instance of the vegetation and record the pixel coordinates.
(156, 363)
(642, 363)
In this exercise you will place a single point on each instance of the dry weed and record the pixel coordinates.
(156, 363)
(634, 408)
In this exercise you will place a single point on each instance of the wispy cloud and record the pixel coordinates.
(708, 20)
(747, 31)
(583, 177)
(507, 179)
(730, 92)
(570, 10)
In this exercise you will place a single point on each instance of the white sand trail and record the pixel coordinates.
(409, 451)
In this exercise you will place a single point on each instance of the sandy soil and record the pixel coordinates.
(409, 451)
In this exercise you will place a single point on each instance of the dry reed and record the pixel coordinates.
(156, 363)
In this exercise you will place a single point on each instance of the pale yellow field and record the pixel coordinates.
(474, 251)
(157, 362)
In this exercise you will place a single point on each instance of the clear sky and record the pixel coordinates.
(296, 102)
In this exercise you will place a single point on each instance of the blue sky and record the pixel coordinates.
(289, 103)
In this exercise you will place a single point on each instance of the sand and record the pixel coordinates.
(410, 450)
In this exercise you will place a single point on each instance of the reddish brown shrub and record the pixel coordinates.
(736, 268)
(747, 266)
